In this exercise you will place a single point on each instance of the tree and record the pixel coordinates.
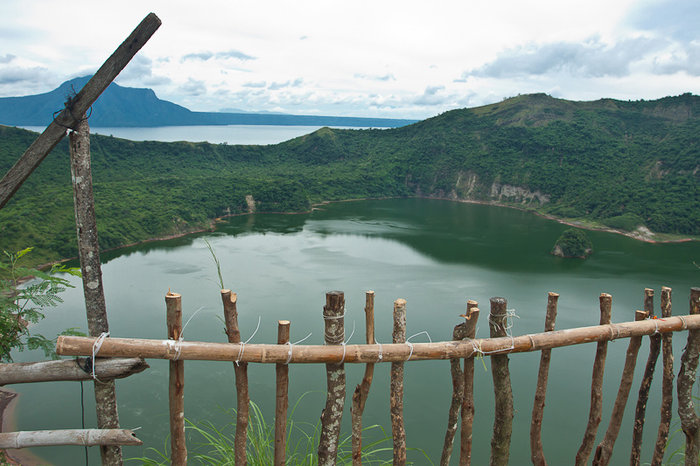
(24, 294)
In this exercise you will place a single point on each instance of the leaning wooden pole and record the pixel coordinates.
(666, 383)
(503, 391)
(176, 386)
(76, 108)
(240, 369)
(465, 446)
(359, 398)
(332, 415)
(70, 370)
(281, 397)
(81, 437)
(690, 422)
(89, 253)
(536, 449)
(457, 398)
(398, 432)
(640, 410)
(596, 408)
(604, 450)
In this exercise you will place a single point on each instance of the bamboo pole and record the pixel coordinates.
(359, 397)
(69, 370)
(332, 415)
(90, 267)
(640, 410)
(396, 386)
(690, 422)
(666, 383)
(594, 415)
(82, 437)
(176, 387)
(465, 447)
(503, 412)
(314, 354)
(605, 448)
(77, 106)
(536, 449)
(281, 397)
(240, 368)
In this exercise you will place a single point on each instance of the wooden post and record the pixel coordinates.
(465, 448)
(605, 448)
(76, 108)
(81, 437)
(640, 410)
(359, 397)
(457, 398)
(503, 412)
(666, 383)
(536, 449)
(332, 415)
(89, 253)
(240, 368)
(690, 422)
(396, 386)
(176, 387)
(281, 397)
(594, 415)
(70, 369)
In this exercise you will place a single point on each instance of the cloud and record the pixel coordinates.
(193, 87)
(140, 71)
(684, 60)
(208, 55)
(275, 86)
(591, 58)
(259, 84)
(30, 76)
(431, 96)
(386, 77)
(7, 58)
(677, 19)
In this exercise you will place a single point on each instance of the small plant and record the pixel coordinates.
(22, 305)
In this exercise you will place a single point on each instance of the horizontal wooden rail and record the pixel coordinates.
(81, 437)
(69, 370)
(273, 354)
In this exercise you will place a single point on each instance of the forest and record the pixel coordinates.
(617, 163)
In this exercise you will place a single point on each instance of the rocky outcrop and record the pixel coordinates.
(507, 193)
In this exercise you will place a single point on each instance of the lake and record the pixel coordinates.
(436, 255)
(215, 134)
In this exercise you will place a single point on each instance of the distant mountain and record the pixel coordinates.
(120, 106)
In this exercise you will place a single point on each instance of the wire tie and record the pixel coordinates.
(242, 348)
(289, 353)
(96, 349)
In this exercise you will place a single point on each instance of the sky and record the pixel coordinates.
(365, 58)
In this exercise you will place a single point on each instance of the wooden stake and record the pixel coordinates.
(503, 412)
(640, 410)
(69, 369)
(332, 415)
(666, 383)
(398, 431)
(605, 448)
(457, 398)
(176, 391)
(594, 415)
(690, 422)
(81, 437)
(240, 368)
(536, 449)
(281, 398)
(359, 398)
(465, 447)
(89, 252)
(73, 112)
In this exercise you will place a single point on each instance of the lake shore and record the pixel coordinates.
(8, 423)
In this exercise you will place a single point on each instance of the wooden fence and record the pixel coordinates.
(335, 354)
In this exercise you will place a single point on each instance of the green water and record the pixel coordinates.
(435, 254)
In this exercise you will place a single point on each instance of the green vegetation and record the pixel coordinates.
(573, 243)
(623, 164)
(21, 305)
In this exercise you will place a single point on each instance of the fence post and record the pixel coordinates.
(465, 448)
(594, 415)
(536, 450)
(281, 398)
(176, 387)
(666, 382)
(690, 422)
(334, 320)
(359, 398)
(503, 412)
(396, 386)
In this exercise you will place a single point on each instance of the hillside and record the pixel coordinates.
(621, 164)
(133, 107)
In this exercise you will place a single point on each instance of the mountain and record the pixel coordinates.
(135, 107)
(634, 166)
